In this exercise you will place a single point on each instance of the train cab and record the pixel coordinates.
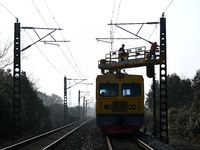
(119, 103)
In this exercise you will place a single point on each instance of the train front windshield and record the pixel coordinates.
(108, 89)
(131, 90)
(112, 90)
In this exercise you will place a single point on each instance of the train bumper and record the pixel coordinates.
(120, 129)
(120, 123)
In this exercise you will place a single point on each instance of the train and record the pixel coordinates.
(119, 103)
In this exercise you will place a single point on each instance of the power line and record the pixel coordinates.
(168, 6)
(163, 13)
(72, 58)
(49, 61)
(39, 13)
(52, 37)
(46, 57)
(32, 39)
(118, 11)
(50, 12)
(113, 10)
(69, 61)
(9, 11)
(152, 33)
(66, 45)
(112, 32)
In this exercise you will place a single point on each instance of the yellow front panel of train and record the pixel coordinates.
(116, 106)
(119, 95)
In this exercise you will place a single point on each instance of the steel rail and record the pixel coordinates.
(63, 138)
(142, 144)
(136, 140)
(109, 143)
(23, 143)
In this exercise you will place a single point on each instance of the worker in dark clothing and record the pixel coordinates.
(122, 52)
(153, 50)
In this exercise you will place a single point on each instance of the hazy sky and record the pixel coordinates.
(84, 21)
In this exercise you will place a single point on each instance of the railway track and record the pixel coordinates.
(126, 143)
(48, 140)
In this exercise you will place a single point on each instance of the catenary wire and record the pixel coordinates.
(45, 56)
(151, 33)
(116, 17)
(112, 32)
(39, 13)
(69, 61)
(65, 44)
(53, 38)
(9, 11)
(80, 73)
(168, 6)
(118, 13)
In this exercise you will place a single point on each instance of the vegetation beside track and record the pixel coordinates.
(183, 107)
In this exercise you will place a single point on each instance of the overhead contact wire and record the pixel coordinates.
(66, 44)
(36, 44)
(45, 56)
(9, 11)
(168, 6)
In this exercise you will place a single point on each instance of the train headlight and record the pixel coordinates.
(132, 106)
(107, 106)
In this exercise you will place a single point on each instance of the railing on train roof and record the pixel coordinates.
(134, 57)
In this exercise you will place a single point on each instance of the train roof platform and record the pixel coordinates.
(137, 57)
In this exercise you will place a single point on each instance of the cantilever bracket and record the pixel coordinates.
(54, 29)
(81, 80)
(118, 25)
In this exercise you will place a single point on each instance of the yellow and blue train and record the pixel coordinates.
(119, 103)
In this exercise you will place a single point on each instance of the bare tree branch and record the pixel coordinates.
(5, 58)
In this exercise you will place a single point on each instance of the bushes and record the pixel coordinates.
(183, 106)
(5, 104)
(184, 122)
(33, 113)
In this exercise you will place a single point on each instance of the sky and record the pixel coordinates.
(84, 21)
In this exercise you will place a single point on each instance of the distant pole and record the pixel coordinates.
(86, 109)
(17, 84)
(65, 101)
(79, 114)
(83, 107)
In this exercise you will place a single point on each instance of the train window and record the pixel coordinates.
(131, 90)
(108, 89)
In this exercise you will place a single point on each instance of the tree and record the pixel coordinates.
(174, 90)
(196, 87)
(57, 114)
(5, 103)
(149, 99)
(49, 100)
(56, 99)
(196, 81)
(180, 92)
(35, 116)
(5, 59)
(187, 92)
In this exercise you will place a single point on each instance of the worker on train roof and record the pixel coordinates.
(153, 49)
(122, 52)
